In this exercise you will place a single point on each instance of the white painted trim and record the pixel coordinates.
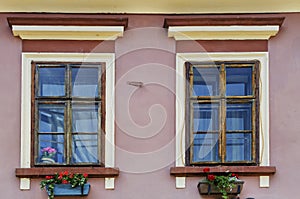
(222, 32)
(109, 121)
(25, 183)
(27, 58)
(263, 58)
(180, 182)
(180, 111)
(67, 32)
(110, 183)
(180, 120)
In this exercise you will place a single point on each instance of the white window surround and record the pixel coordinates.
(263, 58)
(38, 32)
(109, 60)
(237, 32)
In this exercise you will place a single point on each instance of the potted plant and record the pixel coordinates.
(66, 184)
(48, 154)
(226, 184)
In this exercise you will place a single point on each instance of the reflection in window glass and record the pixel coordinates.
(85, 149)
(205, 147)
(85, 118)
(51, 148)
(51, 81)
(206, 81)
(238, 147)
(51, 117)
(238, 81)
(85, 82)
(239, 117)
(206, 117)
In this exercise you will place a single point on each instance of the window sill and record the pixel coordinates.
(93, 172)
(240, 170)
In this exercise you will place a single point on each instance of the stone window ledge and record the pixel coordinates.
(191, 171)
(93, 172)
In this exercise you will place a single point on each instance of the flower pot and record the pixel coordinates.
(207, 189)
(67, 190)
(47, 160)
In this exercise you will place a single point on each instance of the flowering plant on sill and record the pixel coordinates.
(65, 177)
(48, 152)
(224, 183)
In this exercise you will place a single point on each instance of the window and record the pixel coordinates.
(29, 168)
(222, 109)
(68, 113)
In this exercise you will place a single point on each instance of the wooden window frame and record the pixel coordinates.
(222, 100)
(67, 100)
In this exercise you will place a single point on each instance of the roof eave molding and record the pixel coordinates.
(67, 28)
(224, 28)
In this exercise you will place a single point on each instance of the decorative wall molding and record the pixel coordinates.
(67, 28)
(222, 32)
(223, 28)
(68, 32)
(224, 20)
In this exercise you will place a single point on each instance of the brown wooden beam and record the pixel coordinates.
(117, 21)
(240, 170)
(223, 21)
(93, 172)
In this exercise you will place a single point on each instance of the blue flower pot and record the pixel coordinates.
(67, 190)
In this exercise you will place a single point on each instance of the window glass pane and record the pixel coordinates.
(85, 118)
(206, 81)
(238, 81)
(239, 117)
(206, 117)
(85, 82)
(51, 117)
(51, 148)
(238, 147)
(85, 149)
(51, 81)
(205, 147)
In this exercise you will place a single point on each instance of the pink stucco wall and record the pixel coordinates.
(145, 117)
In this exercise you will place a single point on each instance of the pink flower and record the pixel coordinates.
(51, 150)
(46, 149)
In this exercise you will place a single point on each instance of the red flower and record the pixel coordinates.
(65, 173)
(206, 170)
(234, 175)
(60, 176)
(64, 182)
(211, 177)
(85, 175)
(49, 177)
